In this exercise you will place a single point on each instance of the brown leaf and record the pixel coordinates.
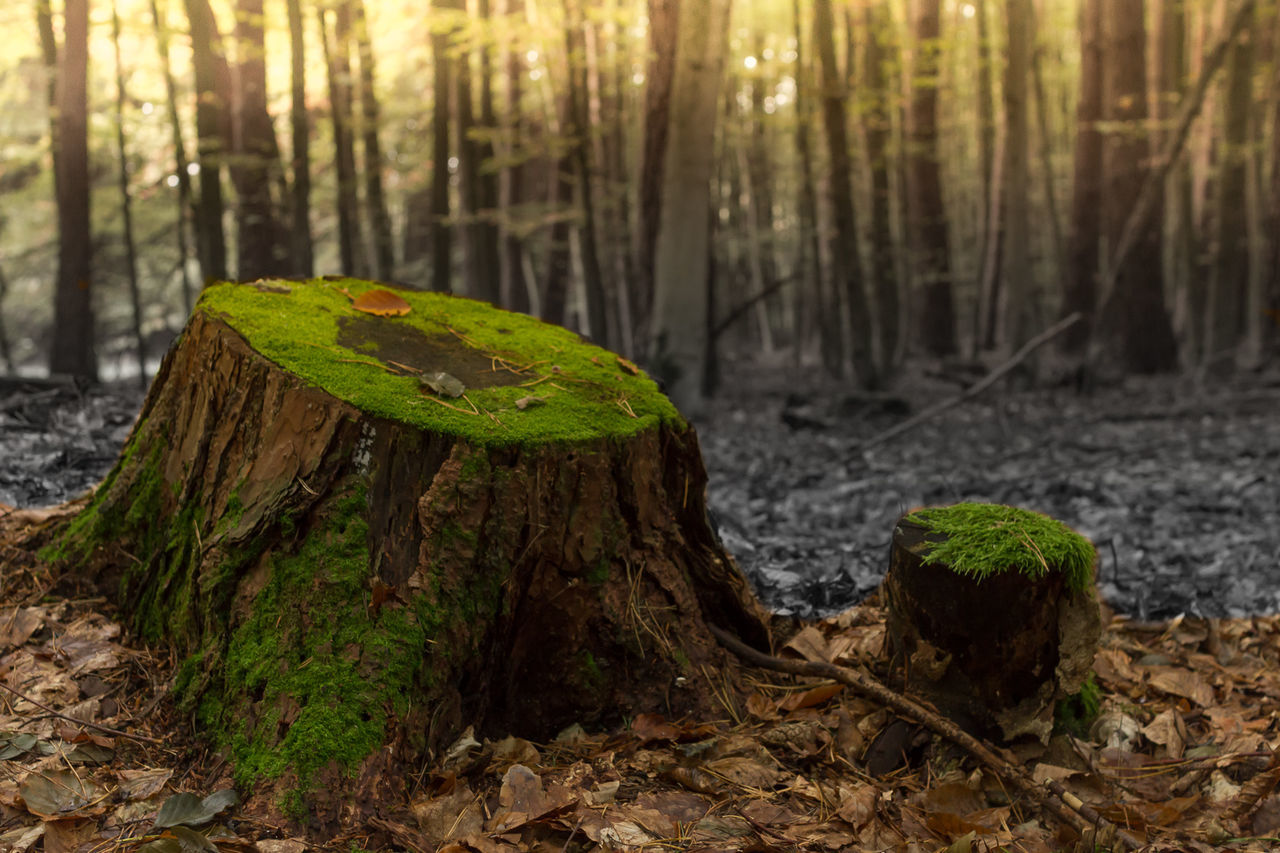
(628, 366)
(811, 697)
(381, 303)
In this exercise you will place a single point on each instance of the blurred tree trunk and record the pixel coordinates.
(1171, 68)
(1135, 324)
(126, 204)
(879, 59)
(302, 250)
(484, 227)
(664, 19)
(511, 189)
(6, 352)
(678, 334)
(1015, 275)
(1272, 277)
(256, 161)
(759, 173)
(845, 258)
(180, 173)
(1229, 279)
(924, 182)
(443, 67)
(71, 351)
(614, 72)
(337, 54)
(1057, 240)
(479, 263)
(812, 297)
(375, 198)
(213, 88)
(1083, 256)
(577, 133)
(988, 291)
(555, 294)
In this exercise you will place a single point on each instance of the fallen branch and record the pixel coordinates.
(733, 316)
(1063, 806)
(78, 722)
(978, 387)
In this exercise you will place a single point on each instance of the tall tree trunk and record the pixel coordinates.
(1229, 279)
(924, 182)
(126, 204)
(845, 258)
(262, 249)
(443, 67)
(6, 351)
(878, 58)
(664, 29)
(212, 132)
(678, 333)
(808, 247)
(71, 351)
(479, 264)
(1081, 293)
(337, 53)
(1057, 240)
(180, 173)
(1136, 323)
(511, 189)
(302, 250)
(577, 130)
(375, 198)
(759, 172)
(1171, 68)
(555, 294)
(1016, 269)
(988, 254)
(1272, 278)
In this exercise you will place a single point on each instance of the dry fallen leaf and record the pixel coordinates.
(380, 303)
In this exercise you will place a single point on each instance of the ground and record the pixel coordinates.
(1176, 484)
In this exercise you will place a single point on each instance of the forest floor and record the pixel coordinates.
(1177, 484)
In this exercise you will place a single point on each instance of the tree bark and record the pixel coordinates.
(924, 181)
(678, 331)
(988, 259)
(72, 349)
(353, 570)
(511, 188)
(845, 257)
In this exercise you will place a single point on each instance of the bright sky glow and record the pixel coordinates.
(967, 10)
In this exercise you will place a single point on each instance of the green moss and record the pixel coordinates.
(1076, 713)
(979, 540)
(341, 667)
(598, 574)
(584, 391)
(590, 672)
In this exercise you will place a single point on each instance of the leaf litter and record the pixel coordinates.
(1181, 757)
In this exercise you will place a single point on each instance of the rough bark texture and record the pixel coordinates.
(994, 655)
(349, 591)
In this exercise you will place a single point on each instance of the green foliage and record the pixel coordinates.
(1076, 713)
(586, 393)
(980, 540)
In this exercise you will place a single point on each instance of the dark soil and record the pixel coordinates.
(1176, 482)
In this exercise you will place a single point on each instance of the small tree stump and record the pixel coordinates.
(354, 565)
(991, 614)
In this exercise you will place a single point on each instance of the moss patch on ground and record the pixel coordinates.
(979, 540)
(526, 381)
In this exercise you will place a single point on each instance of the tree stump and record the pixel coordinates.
(992, 614)
(366, 520)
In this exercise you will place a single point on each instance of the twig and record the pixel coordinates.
(869, 687)
(976, 389)
(62, 716)
(733, 316)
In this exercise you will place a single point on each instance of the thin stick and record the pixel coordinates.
(100, 728)
(873, 689)
(986, 382)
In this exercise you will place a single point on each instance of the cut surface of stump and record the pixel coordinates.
(991, 614)
(364, 532)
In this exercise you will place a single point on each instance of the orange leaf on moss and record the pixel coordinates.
(381, 303)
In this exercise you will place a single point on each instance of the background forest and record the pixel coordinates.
(844, 183)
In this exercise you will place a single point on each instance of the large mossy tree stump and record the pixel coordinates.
(992, 614)
(354, 565)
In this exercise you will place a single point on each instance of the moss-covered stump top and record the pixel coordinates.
(448, 365)
(979, 540)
